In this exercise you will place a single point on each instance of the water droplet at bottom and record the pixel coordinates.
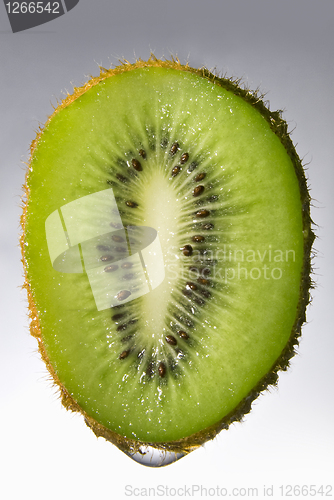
(153, 457)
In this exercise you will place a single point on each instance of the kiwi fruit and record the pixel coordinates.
(166, 245)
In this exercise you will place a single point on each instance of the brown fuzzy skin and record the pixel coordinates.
(279, 127)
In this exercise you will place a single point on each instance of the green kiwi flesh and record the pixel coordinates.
(208, 167)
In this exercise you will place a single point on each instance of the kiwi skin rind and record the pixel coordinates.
(280, 128)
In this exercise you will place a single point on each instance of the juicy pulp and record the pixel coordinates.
(258, 231)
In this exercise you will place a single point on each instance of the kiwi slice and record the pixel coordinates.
(166, 245)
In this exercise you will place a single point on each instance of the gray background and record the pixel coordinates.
(285, 48)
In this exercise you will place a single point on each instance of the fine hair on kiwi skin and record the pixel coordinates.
(279, 128)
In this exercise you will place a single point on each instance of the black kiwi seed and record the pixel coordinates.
(184, 158)
(212, 198)
(183, 335)
(176, 170)
(191, 285)
(202, 213)
(172, 363)
(124, 354)
(141, 354)
(149, 369)
(192, 166)
(120, 249)
(200, 177)
(128, 276)
(121, 328)
(187, 250)
(136, 165)
(126, 265)
(203, 281)
(106, 258)
(174, 149)
(111, 268)
(122, 163)
(207, 226)
(123, 294)
(206, 294)
(121, 178)
(199, 301)
(171, 340)
(204, 252)
(209, 262)
(142, 153)
(186, 292)
(127, 338)
(117, 238)
(185, 321)
(103, 248)
(117, 317)
(162, 369)
(198, 238)
(198, 190)
(131, 204)
(194, 269)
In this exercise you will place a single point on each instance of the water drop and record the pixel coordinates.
(153, 457)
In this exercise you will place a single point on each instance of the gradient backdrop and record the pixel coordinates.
(286, 49)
